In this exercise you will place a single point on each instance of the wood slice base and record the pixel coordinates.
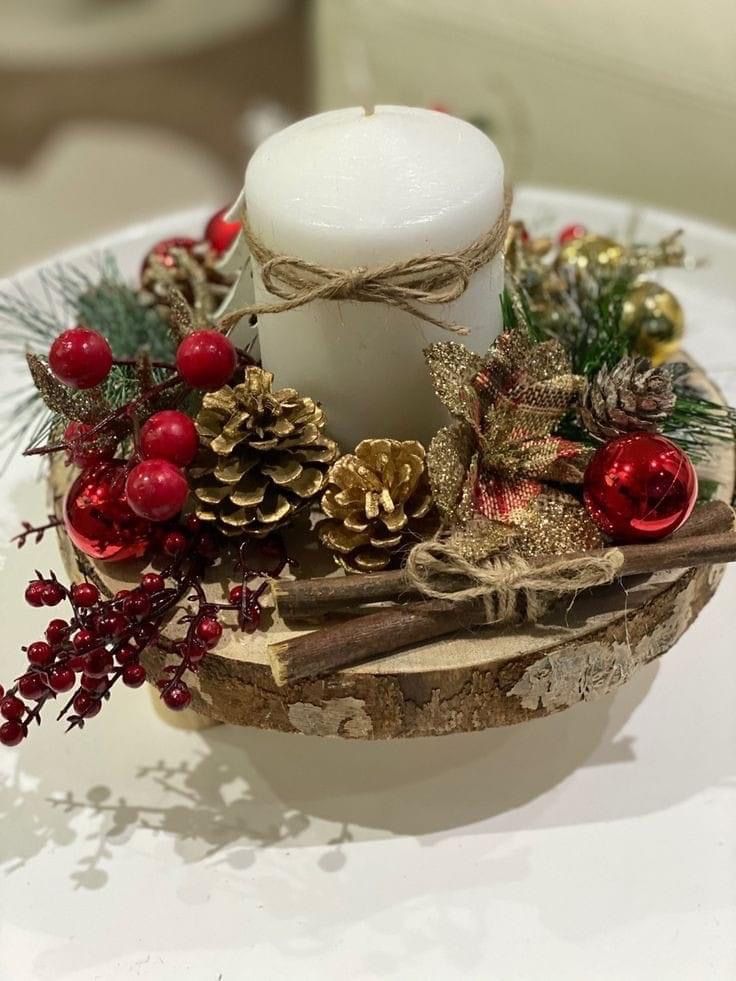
(490, 677)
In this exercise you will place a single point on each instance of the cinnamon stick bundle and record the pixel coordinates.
(707, 538)
(305, 599)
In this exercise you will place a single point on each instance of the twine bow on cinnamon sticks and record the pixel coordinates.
(432, 279)
(444, 598)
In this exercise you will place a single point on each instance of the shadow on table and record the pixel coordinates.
(236, 791)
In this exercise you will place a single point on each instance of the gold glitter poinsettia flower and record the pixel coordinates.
(494, 468)
(376, 503)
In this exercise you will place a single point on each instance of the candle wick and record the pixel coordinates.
(369, 110)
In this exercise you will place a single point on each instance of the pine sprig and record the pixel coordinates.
(95, 295)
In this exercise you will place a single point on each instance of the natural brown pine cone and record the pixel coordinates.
(376, 504)
(264, 456)
(193, 271)
(630, 397)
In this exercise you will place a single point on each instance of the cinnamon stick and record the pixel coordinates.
(302, 599)
(354, 641)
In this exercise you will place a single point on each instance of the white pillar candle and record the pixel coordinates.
(347, 189)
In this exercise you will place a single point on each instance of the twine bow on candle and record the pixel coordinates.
(432, 279)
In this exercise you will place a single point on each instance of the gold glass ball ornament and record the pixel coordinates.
(656, 320)
(595, 254)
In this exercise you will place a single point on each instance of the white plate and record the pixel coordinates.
(597, 843)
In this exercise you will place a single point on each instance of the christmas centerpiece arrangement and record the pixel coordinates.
(325, 468)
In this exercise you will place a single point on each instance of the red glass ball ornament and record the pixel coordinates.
(640, 488)
(156, 489)
(570, 232)
(169, 435)
(80, 357)
(12, 733)
(98, 518)
(221, 233)
(206, 360)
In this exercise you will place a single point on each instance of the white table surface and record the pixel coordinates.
(596, 844)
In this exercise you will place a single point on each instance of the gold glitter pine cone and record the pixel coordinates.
(264, 456)
(377, 503)
(630, 397)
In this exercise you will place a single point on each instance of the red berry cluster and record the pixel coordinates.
(85, 655)
(156, 487)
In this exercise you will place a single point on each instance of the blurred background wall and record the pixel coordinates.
(112, 111)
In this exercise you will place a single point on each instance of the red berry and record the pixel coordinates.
(2, 692)
(152, 583)
(61, 679)
(220, 232)
(52, 594)
(12, 733)
(98, 663)
(12, 708)
(86, 706)
(137, 605)
(570, 232)
(85, 594)
(32, 686)
(87, 452)
(169, 435)
(177, 697)
(156, 490)
(40, 653)
(112, 624)
(134, 675)
(57, 631)
(208, 631)
(92, 684)
(83, 640)
(77, 663)
(236, 595)
(192, 522)
(174, 543)
(34, 592)
(80, 357)
(194, 652)
(206, 359)
(126, 654)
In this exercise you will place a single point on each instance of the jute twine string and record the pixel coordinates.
(430, 279)
(506, 584)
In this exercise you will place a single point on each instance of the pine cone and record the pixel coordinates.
(193, 271)
(630, 397)
(377, 503)
(264, 456)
